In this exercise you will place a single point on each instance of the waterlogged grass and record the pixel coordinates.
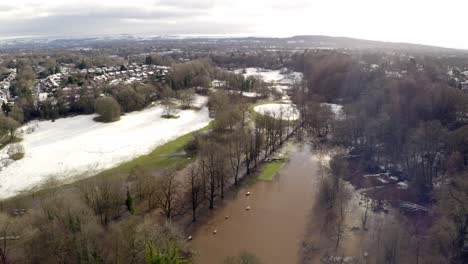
(269, 170)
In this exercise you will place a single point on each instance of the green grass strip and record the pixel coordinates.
(269, 170)
(159, 158)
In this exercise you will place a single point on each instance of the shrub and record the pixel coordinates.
(130, 202)
(129, 99)
(108, 109)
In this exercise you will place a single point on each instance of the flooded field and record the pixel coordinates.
(274, 226)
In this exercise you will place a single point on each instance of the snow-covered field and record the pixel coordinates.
(275, 76)
(78, 146)
(287, 111)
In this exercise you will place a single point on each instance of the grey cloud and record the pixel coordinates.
(125, 13)
(164, 17)
(91, 24)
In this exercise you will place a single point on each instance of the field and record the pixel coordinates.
(74, 148)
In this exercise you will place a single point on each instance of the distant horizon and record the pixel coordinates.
(188, 36)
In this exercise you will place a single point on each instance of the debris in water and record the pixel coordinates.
(189, 238)
(247, 193)
(247, 208)
(226, 217)
(215, 231)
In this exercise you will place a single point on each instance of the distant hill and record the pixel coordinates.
(320, 41)
(350, 43)
(291, 43)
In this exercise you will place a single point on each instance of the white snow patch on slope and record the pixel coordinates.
(245, 94)
(79, 146)
(277, 76)
(289, 112)
(336, 109)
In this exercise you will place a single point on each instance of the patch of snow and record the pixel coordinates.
(274, 76)
(402, 185)
(382, 180)
(281, 88)
(372, 175)
(200, 101)
(336, 109)
(250, 94)
(288, 111)
(80, 147)
(246, 94)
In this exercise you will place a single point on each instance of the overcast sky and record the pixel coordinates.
(433, 22)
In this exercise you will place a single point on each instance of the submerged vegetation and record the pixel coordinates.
(270, 169)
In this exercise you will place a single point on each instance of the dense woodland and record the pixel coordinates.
(413, 126)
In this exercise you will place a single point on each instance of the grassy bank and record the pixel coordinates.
(159, 158)
(269, 170)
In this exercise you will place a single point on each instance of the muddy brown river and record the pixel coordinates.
(273, 229)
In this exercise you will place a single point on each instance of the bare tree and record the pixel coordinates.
(168, 195)
(212, 162)
(236, 150)
(10, 234)
(187, 98)
(195, 186)
(166, 101)
(105, 198)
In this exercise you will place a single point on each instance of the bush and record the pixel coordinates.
(130, 202)
(129, 99)
(108, 109)
(8, 125)
(170, 116)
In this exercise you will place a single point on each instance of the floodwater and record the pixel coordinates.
(274, 228)
(284, 224)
